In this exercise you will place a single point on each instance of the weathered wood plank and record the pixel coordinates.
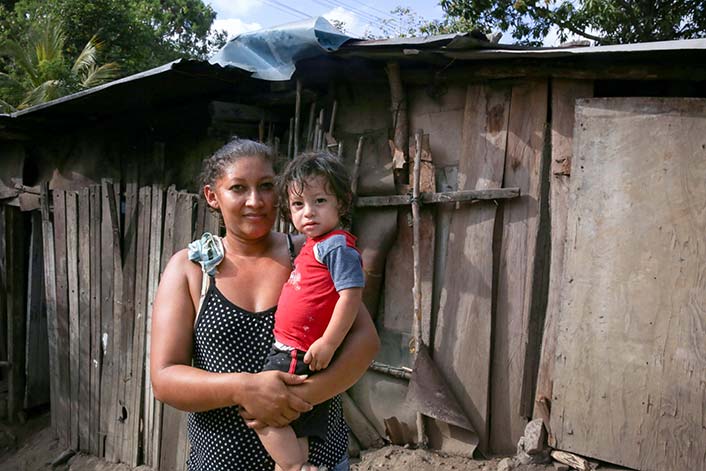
(3, 297)
(37, 389)
(182, 236)
(73, 293)
(631, 351)
(462, 345)
(564, 95)
(50, 295)
(84, 317)
(15, 276)
(95, 316)
(62, 317)
(185, 227)
(171, 418)
(107, 338)
(129, 266)
(445, 197)
(153, 409)
(170, 216)
(114, 416)
(517, 269)
(135, 387)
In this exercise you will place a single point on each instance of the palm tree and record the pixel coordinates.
(42, 73)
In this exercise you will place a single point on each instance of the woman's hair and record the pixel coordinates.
(214, 166)
(315, 164)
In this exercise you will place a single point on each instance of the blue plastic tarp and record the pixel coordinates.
(271, 54)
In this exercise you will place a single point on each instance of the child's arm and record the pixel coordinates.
(321, 351)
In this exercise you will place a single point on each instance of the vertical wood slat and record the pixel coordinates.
(153, 409)
(15, 306)
(108, 346)
(95, 317)
(130, 443)
(516, 274)
(84, 317)
(37, 389)
(177, 234)
(462, 346)
(50, 295)
(3, 298)
(135, 396)
(564, 95)
(169, 435)
(62, 318)
(114, 409)
(73, 296)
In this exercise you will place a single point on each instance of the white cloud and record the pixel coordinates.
(352, 23)
(234, 26)
(230, 8)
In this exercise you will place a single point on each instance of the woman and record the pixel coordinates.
(229, 338)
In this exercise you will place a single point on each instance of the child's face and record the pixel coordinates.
(313, 208)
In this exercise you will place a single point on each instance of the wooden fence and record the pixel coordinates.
(104, 252)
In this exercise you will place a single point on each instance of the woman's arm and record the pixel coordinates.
(176, 382)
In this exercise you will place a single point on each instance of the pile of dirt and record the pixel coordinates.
(400, 458)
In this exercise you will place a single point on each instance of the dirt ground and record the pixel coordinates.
(32, 447)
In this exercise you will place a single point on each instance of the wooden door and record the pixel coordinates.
(630, 378)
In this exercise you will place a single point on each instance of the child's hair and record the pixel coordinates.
(314, 164)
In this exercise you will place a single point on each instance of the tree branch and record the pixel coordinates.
(542, 11)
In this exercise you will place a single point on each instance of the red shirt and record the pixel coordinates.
(309, 296)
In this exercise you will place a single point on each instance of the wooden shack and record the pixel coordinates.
(581, 301)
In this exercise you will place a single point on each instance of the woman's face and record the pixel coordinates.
(246, 197)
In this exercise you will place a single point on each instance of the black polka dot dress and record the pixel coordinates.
(228, 339)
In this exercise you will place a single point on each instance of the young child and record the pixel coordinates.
(322, 296)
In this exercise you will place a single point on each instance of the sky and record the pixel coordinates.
(360, 16)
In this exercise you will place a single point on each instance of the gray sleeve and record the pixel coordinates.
(343, 262)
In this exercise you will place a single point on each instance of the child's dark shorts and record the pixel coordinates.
(310, 424)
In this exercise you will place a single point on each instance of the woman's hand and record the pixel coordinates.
(268, 401)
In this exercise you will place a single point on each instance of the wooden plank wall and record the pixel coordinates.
(487, 328)
(564, 96)
(102, 272)
(462, 345)
(629, 382)
(517, 262)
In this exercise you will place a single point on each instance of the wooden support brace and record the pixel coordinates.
(445, 197)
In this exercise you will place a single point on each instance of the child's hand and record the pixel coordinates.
(319, 355)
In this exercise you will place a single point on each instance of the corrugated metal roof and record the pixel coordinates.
(188, 78)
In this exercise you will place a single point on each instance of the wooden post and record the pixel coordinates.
(331, 125)
(417, 291)
(356, 168)
(297, 117)
(398, 98)
(74, 342)
(290, 142)
(50, 294)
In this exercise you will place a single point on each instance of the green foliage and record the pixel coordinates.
(139, 34)
(602, 21)
(39, 71)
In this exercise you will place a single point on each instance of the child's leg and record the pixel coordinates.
(284, 447)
